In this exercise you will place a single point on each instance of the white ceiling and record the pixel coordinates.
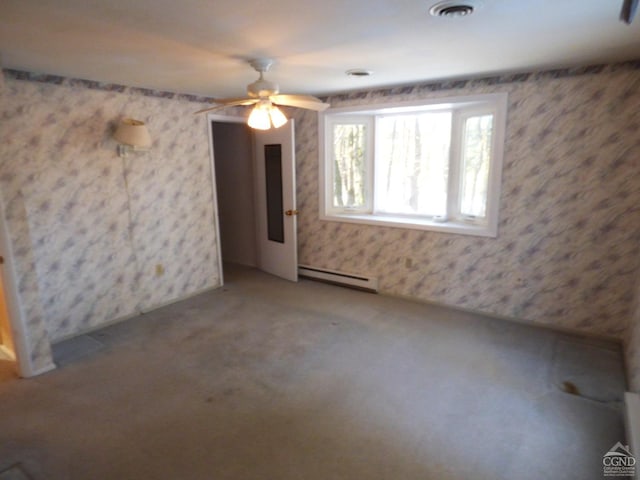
(198, 46)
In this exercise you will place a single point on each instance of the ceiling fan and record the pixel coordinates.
(265, 96)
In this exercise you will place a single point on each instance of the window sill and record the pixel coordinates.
(449, 226)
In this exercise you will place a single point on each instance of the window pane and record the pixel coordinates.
(412, 163)
(275, 208)
(476, 155)
(349, 174)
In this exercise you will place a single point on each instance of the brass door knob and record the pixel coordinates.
(290, 213)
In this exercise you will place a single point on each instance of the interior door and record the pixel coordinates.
(276, 201)
(6, 339)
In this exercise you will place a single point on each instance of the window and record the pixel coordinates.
(432, 166)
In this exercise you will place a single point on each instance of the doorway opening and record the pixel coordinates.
(14, 361)
(8, 365)
(254, 175)
(234, 176)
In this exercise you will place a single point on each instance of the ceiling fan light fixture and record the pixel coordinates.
(259, 118)
(265, 115)
(277, 117)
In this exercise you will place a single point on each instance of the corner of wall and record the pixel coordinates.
(30, 338)
(98, 226)
(632, 346)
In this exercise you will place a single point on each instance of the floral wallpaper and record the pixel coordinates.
(567, 254)
(96, 237)
(89, 229)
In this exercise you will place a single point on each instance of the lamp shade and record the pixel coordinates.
(132, 132)
(277, 117)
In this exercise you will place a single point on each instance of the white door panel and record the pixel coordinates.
(276, 201)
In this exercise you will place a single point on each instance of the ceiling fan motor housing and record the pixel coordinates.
(262, 88)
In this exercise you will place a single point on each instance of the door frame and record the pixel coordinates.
(17, 322)
(214, 117)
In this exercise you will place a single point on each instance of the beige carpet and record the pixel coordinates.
(269, 380)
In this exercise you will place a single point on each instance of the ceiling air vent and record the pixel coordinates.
(452, 9)
(358, 72)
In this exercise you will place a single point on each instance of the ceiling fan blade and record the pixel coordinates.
(629, 9)
(229, 102)
(210, 109)
(300, 101)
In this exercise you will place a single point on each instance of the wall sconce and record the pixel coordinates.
(265, 114)
(132, 135)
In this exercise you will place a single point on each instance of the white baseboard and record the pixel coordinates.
(153, 307)
(137, 313)
(28, 372)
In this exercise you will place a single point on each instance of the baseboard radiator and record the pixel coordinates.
(360, 282)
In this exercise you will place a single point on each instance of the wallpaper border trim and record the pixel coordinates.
(501, 79)
(95, 85)
(432, 86)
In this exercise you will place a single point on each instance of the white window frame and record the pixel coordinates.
(463, 107)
